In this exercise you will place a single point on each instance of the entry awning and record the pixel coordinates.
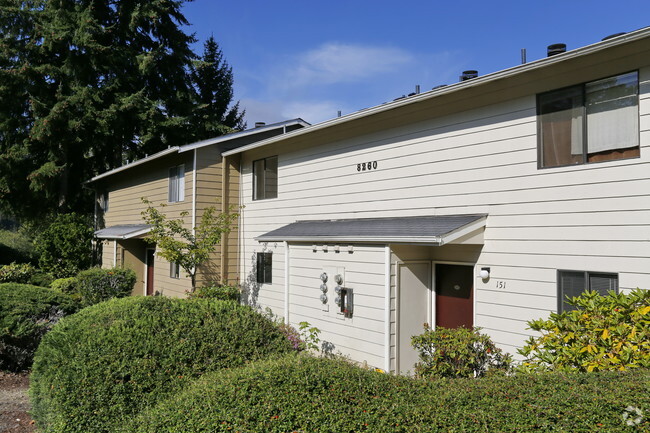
(431, 230)
(126, 231)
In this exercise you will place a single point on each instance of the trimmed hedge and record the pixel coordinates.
(98, 285)
(305, 394)
(26, 314)
(96, 369)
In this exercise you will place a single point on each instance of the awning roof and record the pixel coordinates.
(432, 230)
(125, 231)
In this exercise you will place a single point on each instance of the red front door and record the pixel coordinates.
(150, 260)
(454, 296)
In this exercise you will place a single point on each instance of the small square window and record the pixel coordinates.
(174, 270)
(264, 268)
(176, 184)
(574, 283)
(265, 178)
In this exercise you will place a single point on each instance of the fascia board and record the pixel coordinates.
(160, 154)
(432, 240)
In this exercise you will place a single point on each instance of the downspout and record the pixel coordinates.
(194, 203)
(286, 282)
(224, 208)
(387, 280)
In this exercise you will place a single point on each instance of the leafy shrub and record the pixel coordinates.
(303, 394)
(98, 285)
(26, 314)
(65, 285)
(603, 333)
(216, 291)
(65, 246)
(41, 279)
(16, 247)
(16, 273)
(99, 367)
(458, 352)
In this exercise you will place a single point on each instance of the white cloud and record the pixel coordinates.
(343, 63)
(317, 83)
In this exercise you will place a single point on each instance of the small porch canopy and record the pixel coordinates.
(125, 231)
(430, 230)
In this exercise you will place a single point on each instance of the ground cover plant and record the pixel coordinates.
(26, 314)
(603, 333)
(96, 369)
(305, 394)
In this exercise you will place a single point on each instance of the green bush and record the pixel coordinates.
(458, 352)
(41, 279)
(16, 273)
(98, 285)
(16, 247)
(603, 333)
(65, 246)
(26, 314)
(216, 291)
(303, 394)
(65, 285)
(96, 369)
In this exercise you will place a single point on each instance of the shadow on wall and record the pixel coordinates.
(251, 289)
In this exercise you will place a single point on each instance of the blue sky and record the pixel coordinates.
(312, 59)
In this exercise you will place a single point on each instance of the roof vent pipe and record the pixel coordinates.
(259, 124)
(468, 75)
(613, 36)
(554, 49)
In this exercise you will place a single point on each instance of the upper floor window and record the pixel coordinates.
(573, 283)
(591, 122)
(174, 270)
(176, 184)
(103, 201)
(265, 178)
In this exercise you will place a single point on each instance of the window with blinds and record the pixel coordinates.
(176, 184)
(265, 178)
(591, 122)
(574, 283)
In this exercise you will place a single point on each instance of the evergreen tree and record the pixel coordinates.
(215, 114)
(84, 86)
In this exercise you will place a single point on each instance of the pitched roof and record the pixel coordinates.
(125, 231)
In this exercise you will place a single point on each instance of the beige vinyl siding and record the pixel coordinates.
(126, 191)
(480, 160)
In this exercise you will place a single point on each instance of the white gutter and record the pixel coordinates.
(431, 240)
(135, 163)
(240, 134)
(474, 82)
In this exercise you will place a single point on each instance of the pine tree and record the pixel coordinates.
(215, 113)
(84, 86)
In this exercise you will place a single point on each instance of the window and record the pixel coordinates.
(592, 122)
(174, 270)
(265, 178)
(103, 201)
(264, 265)
(176, 184)
(573, 283)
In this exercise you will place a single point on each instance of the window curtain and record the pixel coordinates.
(612, 113)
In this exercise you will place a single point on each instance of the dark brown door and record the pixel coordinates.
(150, 260)
(454, 296)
